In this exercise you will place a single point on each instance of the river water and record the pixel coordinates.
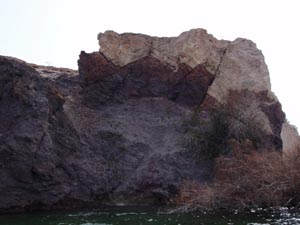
(122, 216)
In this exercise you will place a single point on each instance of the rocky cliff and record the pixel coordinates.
(115, 132)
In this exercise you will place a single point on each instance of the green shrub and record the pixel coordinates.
(207, 135)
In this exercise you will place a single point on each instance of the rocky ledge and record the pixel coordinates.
(113, 133)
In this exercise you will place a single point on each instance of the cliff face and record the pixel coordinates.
(114, 133)
(194, 68)
(236, 65)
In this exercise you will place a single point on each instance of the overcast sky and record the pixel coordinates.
(53, 32)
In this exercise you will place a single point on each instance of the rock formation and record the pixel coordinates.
(290, 138)
(236, 65)
(217, 68)
(113, 133)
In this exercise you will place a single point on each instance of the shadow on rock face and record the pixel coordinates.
(112, 133)
(106, 83)
(56, 151)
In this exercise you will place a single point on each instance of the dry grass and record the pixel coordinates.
(246, 180)
(194, 196)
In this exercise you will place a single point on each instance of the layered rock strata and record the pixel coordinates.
(194, 68)
(112, 133)
(236, 65)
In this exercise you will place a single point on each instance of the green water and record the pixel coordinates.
(149, 217)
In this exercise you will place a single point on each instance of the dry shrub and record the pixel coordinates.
(246, 180)
(194, 196)
(250, 180)
(247, 172)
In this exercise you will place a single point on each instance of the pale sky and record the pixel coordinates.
(53, 32)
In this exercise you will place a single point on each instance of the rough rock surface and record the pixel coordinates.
(127, 48)
(236, 65)
(112, 133)
(146, 77)
(57, 149)
(290, 138)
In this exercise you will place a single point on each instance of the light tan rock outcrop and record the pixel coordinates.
(242, 67)
(125, 48)
(236, 65)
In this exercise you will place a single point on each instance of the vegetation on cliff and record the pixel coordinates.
(247, 173)
(113, 132)
(210, 134)
(246, 180)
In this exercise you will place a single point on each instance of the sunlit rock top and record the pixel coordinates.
(236, 65)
